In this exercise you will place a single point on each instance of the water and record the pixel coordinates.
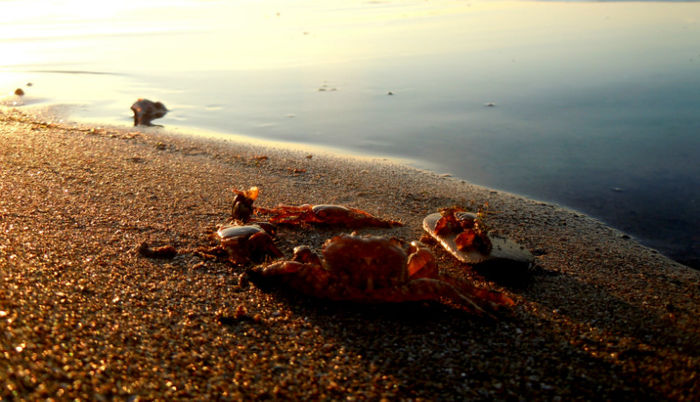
(595, 106)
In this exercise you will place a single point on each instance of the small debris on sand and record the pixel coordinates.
(146, 111)
(164, 252)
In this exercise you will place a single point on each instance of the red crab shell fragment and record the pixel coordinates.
(245, 243)
(324, 214)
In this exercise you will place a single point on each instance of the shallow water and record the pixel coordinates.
(590, 105)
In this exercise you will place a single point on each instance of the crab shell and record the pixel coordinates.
(366, 263)
(325, 214)
(234, 236)
(245, 242)
(371, 269)
(354, 264)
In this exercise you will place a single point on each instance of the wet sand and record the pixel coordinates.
(84, 316)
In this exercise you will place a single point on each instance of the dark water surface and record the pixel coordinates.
(595, 106)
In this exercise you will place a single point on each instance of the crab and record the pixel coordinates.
(242, 244)
(374, 269)
(325, 214)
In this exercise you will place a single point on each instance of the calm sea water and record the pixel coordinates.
(594, 106)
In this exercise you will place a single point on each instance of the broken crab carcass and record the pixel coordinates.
(374, 270)
(242, 244)
(464, 235)
(296, 215)
(324, 214)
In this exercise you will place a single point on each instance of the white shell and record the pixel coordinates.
(503, 248)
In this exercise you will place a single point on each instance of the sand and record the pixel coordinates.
(82, 315)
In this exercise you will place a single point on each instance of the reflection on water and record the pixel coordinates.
(593, 105)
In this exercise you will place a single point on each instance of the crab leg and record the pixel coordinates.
(423, 289)
(427, 289)
(306, 278)
(324, 214)
(486, 296)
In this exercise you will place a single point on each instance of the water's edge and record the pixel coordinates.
(230, 138)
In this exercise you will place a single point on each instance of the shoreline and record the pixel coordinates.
(673, 244)
(671, 241)
(602, 316)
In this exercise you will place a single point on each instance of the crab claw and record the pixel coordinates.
(261, 245)
(243, 204)
(307, 278)
(421, 262)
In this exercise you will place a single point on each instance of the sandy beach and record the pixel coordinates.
(83, 315)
